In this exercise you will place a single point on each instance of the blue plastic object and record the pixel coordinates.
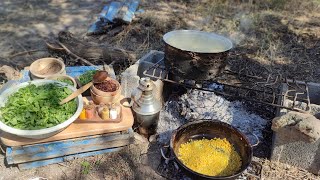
(72, 71)
(114, 8)
(132, 7)
(114, 13)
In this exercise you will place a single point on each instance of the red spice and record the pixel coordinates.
(106, 86)
(90, 112)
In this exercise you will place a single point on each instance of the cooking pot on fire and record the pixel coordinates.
(209, 129)
(195, 55)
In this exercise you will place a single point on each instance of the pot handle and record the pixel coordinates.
(167, 159)
(257, 140)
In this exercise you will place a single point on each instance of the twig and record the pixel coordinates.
(252, 175)
(2, 150)
(26, 52)
(76, 56)
(62, 165)
(21, 47)
(51, 46)
(62, 171)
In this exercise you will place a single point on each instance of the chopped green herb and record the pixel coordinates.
(86, 77)
(68, 81)
(37, 107)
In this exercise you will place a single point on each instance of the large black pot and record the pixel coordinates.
(210, 129)
(195, 55)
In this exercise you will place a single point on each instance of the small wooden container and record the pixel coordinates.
(45, 67)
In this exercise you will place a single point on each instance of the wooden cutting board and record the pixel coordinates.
(78, 128)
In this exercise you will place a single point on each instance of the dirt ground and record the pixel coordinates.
(270, 37)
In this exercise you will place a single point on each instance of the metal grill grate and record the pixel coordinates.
(248, 87)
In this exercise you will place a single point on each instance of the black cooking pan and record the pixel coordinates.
(210, 129)
(195, 55)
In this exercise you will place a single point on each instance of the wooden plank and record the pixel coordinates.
(79, 128)
(36, 164)
(17, 150)
(17, 155)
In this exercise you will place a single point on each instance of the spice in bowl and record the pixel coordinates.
(90, 111)
(214, 157)
(107, 86)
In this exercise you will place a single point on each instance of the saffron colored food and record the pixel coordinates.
(215, 157)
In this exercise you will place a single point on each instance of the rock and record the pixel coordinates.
(299, 126)
(10, 73)
(129, 80)
(140, 139)
(153, 138)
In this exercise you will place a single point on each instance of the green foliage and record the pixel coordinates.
(85, 165)
(86, 77)
(37, 107)
(67, 81)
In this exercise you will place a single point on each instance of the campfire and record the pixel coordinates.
(199, 106)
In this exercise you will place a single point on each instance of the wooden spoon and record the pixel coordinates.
(98, 77)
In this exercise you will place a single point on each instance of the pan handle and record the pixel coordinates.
(167, 159)
(257, 140)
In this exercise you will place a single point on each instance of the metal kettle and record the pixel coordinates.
(146, 107)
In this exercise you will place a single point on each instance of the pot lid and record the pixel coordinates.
(197, 41)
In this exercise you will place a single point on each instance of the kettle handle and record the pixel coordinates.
(135, 95)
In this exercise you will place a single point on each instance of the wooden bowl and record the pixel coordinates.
(103, 93)
(45, 67)
(104, 99)
(63, 77)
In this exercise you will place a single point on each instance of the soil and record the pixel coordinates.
(270, 37)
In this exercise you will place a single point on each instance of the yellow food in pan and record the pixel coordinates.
(215, 157)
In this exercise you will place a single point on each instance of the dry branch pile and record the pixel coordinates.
(91, 53)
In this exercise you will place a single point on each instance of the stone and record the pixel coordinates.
(153, 138)
(10, 73)
(110, 70)
(299, 126)
(294, 139)
(129, 80)
(140, 139)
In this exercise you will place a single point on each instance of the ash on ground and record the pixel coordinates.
(170, 119)
(196, 104)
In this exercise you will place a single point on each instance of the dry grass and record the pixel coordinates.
(280, 171)
(270, 36)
